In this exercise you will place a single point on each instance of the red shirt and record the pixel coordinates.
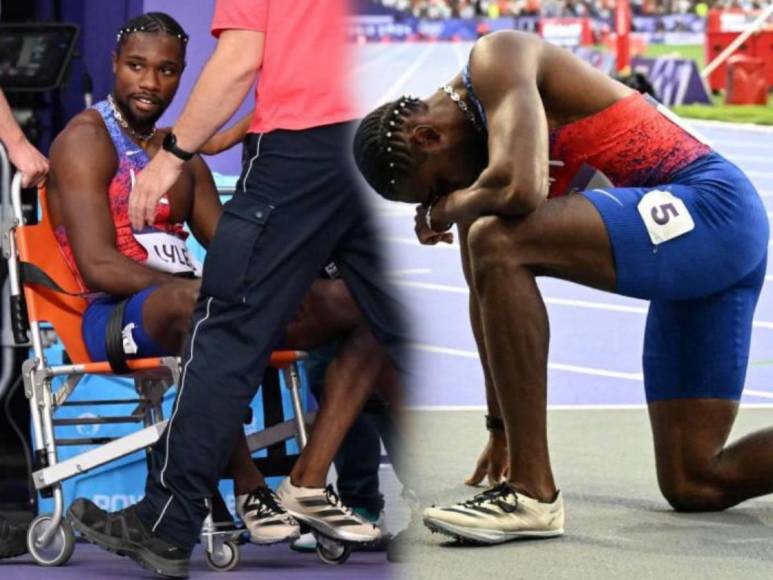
(304, 79)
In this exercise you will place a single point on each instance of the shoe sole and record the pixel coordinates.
(138, 554)
(480, 537)
(330, 532)
(272, 541)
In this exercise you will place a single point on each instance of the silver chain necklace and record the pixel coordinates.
(122, 122)
(463, 107)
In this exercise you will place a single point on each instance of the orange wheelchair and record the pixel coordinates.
(46, 305)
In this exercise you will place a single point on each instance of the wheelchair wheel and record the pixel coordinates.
(227, 560)
(58, 550)
(332, 551)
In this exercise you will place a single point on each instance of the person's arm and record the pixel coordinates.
(221, 88)
(28, 160)
(505, 71)
(83, 162)
(206, 210)
(224, 140)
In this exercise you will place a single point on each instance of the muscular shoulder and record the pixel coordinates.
(494, 53)
(84, 140)
(505, 41)
(503, 62)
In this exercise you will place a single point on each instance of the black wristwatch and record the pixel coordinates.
(170, 144)
(494, 423)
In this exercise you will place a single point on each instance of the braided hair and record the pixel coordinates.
(152, 22)
(382, 150)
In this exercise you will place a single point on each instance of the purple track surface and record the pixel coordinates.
(276, 562)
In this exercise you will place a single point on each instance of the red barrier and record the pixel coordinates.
(722, 28)
(623, 30)
(746, 82)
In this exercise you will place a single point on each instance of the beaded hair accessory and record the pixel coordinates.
(131, 29)
(396, 153)
(463, 107)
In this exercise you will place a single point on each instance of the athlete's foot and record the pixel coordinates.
(498, 515)
(125, 534)
(322, 510)
(265, 518)
(13, 539)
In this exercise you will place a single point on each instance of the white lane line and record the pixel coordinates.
(552, 366)
(608, 306)
(415, 242)
(437, 287)
(409, 272)
(734, 127)
(747, 145)
(756, 393)
(380, 57)
(749, 158)
(548, 300)
(560, 407)
(406, 76)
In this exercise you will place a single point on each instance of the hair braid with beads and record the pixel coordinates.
(381, 148)
(152, 22)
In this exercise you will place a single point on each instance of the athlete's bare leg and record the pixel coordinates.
(564, 238)
(696, 472)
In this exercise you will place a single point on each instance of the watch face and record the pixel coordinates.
(169, 141)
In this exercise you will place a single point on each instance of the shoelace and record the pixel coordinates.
(496, 495)
(263, 501)
(332, 498)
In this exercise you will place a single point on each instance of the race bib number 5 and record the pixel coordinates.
(665, 216)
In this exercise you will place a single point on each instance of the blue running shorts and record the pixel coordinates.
(697, 249)
(95, 324)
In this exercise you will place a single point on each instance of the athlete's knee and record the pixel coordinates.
(487, 235)
(695, 493)
(182, 301)
(493, 250)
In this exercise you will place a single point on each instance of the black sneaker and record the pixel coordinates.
(125, 534)
(13, 539)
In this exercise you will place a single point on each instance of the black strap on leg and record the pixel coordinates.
(116, 355)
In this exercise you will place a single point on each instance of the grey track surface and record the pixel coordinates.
(618, 525)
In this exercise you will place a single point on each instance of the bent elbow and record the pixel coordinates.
(524, 198)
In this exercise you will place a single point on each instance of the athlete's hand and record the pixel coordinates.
(151, 184)
(492, 462)
(29, 161)
(425, 235)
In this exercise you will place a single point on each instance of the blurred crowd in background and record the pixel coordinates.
(442, 9)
